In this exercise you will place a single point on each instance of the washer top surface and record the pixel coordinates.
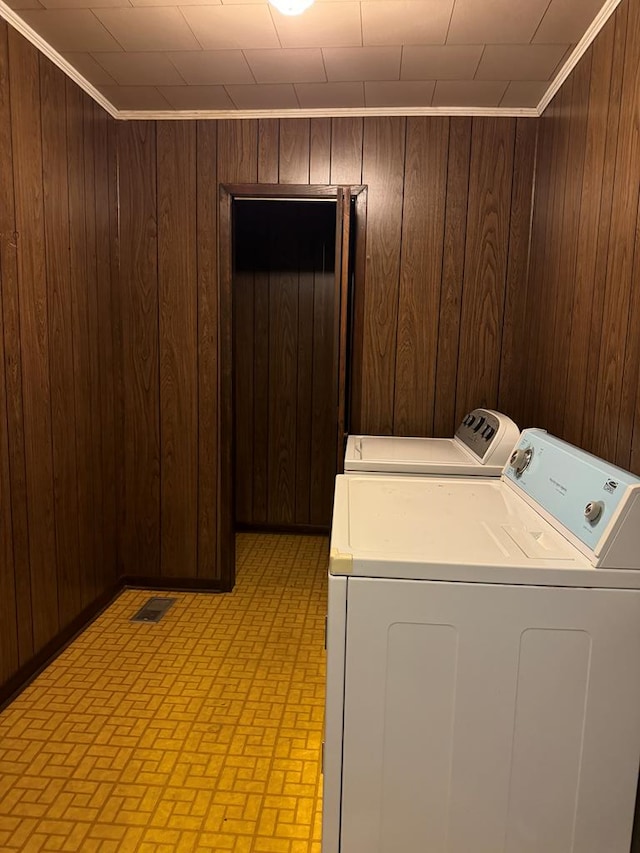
(454, 529)
(481, 447)
(408, 454)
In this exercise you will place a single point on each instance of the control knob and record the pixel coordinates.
(520, 460)
(593, 511)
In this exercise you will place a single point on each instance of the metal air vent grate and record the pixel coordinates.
(153, 610)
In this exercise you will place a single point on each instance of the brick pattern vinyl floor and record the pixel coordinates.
(200, 733)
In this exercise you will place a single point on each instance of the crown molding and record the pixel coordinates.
(44, 47)
(163, 115)
(580, 49)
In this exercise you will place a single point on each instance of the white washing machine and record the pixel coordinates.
(481, 446)
(483, 686)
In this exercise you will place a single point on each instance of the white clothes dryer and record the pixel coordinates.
(481, 447)
(483, 684)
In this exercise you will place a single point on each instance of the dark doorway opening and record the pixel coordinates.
(283, 314)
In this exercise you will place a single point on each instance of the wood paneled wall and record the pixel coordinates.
(57, 422)
(448, 223)
(583, 310)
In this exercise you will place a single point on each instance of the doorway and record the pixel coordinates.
(289, 260)
(283, 308)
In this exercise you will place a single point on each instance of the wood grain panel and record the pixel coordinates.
(617, 367)
(444, 420)
(261, 371)
(105, 193)
(305, 383)
(80, 331)
(490, 182)
(547, 373)
(383, 171)
(245, 386)
(96, 480)
(425, 178)
(178, 298)
(206, 229)
(34, 336)
(268, 150)
(56, 223)
(511, 391)
(347, 150)
(320, 151)
(283, 379)
(13, 364)
(237, 152)
(591, 409)
(294, 151)
(138, 252)
(587, 240)
(323, 426)
(9, 647)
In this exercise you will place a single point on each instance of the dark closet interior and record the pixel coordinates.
(284, 382)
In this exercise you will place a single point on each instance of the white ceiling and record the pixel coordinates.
(243, 55)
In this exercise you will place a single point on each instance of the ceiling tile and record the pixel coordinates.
(135, 97)
(70, 29)
(279, 96)
(240, 27)
(176, 2)
(91, 70)
(197, 97)
(149, 29)
(440, 62)
(495, 21)
(362, 63)
(24, 4)
(85, 4)
(330, 95)
(567, 21)
(524, 94)
(209, 67)
(289, 65)
(323, 25)
(468, 93)
(395, 93)
(140, 69)
(405, 21)
(520, 61)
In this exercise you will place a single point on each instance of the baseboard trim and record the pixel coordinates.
(288, 529)
(173, 584)
(56, 645)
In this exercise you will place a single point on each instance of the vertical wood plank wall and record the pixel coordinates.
(583, 310)
(447, 240)
(57, 422)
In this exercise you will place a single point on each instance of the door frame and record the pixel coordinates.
(227, 194)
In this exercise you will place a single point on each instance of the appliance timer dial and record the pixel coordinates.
(520, 460)
(593, 511)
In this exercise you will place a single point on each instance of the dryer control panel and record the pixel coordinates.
(487, 434)
(594, 503)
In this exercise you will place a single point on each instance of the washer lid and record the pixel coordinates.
(402, 455)
(453, 529)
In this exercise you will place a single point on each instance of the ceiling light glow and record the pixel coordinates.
(291, 7)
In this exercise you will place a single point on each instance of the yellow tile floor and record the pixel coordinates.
(200, 733)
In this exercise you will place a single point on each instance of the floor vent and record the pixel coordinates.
(153, 610)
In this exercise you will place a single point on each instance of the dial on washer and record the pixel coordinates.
(521, 459)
